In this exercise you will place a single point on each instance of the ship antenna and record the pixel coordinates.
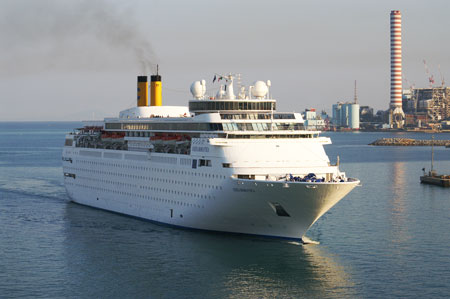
(239, 83)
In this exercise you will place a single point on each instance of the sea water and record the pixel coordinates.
(389, 237)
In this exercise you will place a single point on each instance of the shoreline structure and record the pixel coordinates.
(409, 142)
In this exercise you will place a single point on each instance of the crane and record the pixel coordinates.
(410, 85)
(427, 71)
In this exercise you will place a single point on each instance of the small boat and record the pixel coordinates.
(432, 177)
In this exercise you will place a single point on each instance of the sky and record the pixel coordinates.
(78, 59)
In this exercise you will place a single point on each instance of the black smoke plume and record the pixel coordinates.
(40, 35)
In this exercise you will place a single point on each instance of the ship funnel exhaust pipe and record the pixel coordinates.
(156, 90)
(142, 91)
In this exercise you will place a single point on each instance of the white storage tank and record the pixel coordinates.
(353, 116)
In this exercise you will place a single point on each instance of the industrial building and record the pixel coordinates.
(413, 108)
(345, 116)
(416, 107)
(312, 121)
(426, 105)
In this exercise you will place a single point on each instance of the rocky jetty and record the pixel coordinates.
(409, 142)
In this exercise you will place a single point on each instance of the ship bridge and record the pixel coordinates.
(252, 99)
(232, 106)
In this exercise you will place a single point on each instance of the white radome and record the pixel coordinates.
(260, 89)
(198, 89)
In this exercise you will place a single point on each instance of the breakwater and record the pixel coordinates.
(409, 142)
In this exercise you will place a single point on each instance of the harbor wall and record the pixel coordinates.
(409, 142)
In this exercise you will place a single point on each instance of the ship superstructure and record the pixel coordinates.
(225, 163)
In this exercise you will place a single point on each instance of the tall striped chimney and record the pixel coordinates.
(396, 59)
(396, 112)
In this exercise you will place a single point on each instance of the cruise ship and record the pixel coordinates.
(226, 163)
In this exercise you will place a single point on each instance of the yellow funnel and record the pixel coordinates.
(142, 91)
(156, 91)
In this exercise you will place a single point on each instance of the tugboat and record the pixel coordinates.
(432, 178)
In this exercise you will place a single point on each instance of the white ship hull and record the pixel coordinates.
(164, 188)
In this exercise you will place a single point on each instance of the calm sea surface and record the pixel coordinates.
(388, 238)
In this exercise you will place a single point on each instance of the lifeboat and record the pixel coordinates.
(156, 140)
(106, 136)
(170, 139)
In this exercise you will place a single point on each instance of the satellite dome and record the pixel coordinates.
(259, 89)
(198, 89)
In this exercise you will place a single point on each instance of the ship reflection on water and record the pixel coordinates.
(141, 259)
(302, 271)
(399, 195)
